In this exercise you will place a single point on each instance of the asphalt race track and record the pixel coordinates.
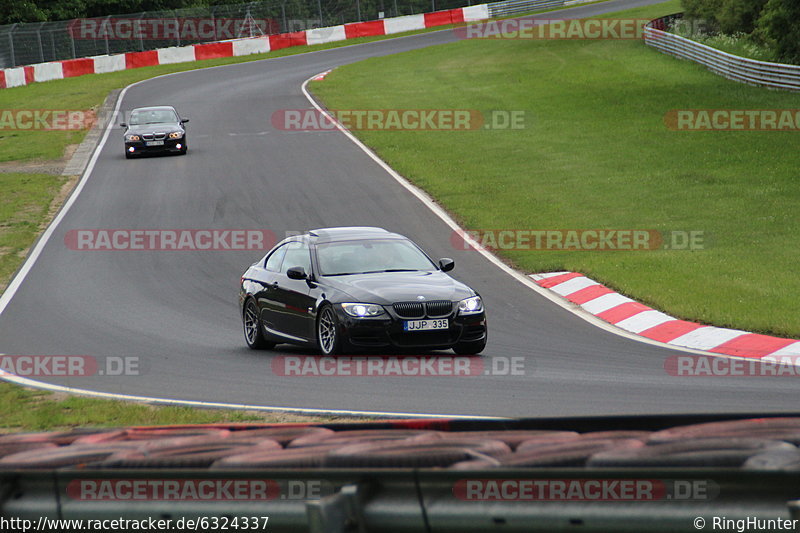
(177, 310)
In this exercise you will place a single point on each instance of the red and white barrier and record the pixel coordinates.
(642, 320)
(15, 77)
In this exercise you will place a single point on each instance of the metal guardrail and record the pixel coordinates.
(405, 500)
(514, 7)
(751, 71)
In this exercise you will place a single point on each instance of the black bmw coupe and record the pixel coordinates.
(155, 129)
(358, 288)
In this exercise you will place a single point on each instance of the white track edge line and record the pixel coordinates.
(43, 239)
(22, 273)
(423, 197)
(220, 405)
(19, 277)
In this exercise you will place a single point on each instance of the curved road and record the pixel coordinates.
(177, 311)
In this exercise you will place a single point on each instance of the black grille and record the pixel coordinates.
(160, 136)
(147, 136)
(409, 309)
(436, 308)
(439, 308)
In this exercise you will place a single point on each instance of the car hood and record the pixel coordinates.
(389, 287)
(154, 128)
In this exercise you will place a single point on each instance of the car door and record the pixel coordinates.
(264, 291)
(293, 301)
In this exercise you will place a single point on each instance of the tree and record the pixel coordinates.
(725, 16)
(778, 26)
(21, 11)
(704, 11)
(739, 16)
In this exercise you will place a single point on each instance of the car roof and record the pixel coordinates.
(155, 108)
(351, 233)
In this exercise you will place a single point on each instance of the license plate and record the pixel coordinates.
(425, 325)
(154, 143)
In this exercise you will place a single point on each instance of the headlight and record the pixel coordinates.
(132, 138)
(176, 135)
(363, 310)
(470, 306)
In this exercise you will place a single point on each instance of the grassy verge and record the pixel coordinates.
(27, 204)
(24, 208)
(24, 409)
(595, 153)
(88, 92)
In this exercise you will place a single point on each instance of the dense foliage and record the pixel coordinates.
(775, 23)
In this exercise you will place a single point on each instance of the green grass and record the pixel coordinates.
(595, 153)
(24, 205)
(88, 92)
(24, 409)
(25, 201)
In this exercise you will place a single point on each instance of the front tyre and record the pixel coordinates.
(253, 334)
(470, 348)
(328, 337)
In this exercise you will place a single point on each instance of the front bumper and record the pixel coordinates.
(388, 331)
(170, 145)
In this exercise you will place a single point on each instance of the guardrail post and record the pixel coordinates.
(108, 21)
(11, 45)
(39, 38)
(214, 21)
(141, 39)
(338, 513)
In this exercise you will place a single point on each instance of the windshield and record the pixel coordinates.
(357, 257)
(153, 116)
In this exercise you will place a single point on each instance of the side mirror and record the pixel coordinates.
(123, 125)
(446, 264)
(296, 273)
(184, 120)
